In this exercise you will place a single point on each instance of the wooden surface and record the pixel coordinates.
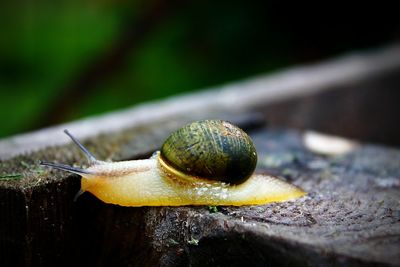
(351, 215)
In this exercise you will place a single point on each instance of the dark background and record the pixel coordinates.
(63, 60)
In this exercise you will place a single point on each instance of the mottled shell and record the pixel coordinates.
(211, 149)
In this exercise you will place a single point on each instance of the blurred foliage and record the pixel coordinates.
(64, 60)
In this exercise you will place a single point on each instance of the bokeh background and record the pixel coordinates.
(68, 59)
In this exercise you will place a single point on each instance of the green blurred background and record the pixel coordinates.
(64, 60)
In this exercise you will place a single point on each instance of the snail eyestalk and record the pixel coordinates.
(92, 159)
(64, 167)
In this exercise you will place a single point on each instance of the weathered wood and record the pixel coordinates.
(350, 216)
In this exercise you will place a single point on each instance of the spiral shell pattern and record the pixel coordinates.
(211, 149)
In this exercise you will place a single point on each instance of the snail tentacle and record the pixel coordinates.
(78, 194)
(92, 159)
(65, 167)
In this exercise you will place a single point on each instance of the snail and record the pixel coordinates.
(208, 162)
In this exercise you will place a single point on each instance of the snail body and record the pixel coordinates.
(208, 162)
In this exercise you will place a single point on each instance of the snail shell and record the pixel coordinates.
(211, 149)
(207, 162)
